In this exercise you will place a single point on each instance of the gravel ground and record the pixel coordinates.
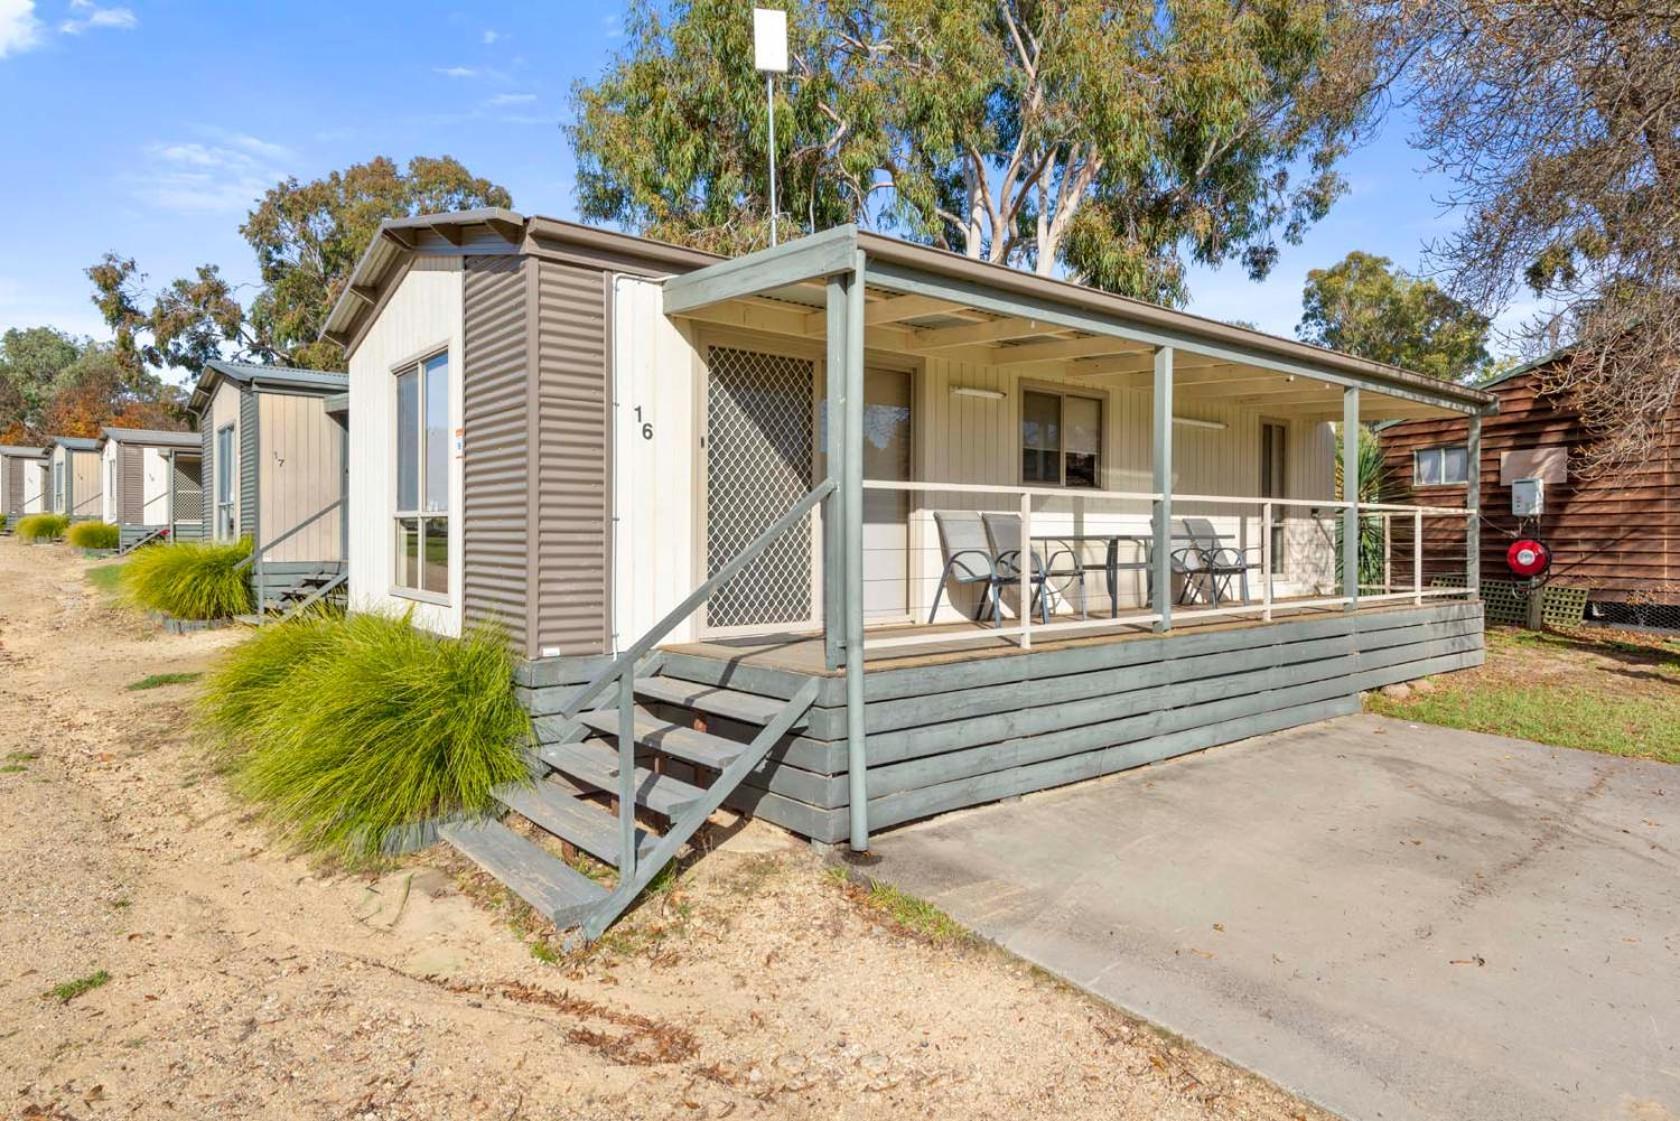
(243, 981)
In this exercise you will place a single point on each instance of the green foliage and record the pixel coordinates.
(190, 579)
(1115, 140)
(1373, 480)
(1364, 305)
(42, 527)
(307, 238)
(158, 680)
(344, 728)
(1578, 689)
(69, 990)
(106, 577)
(94, 535)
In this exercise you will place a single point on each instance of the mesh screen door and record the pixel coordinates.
(758, 463)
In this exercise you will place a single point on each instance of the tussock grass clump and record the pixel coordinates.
(344, 728)
(190, 579)
(94, 535)
(42, 527)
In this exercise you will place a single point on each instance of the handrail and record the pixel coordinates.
(623, 669)
(257, 554)
(683, 610)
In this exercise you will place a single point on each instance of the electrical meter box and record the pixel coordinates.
(1528, 497)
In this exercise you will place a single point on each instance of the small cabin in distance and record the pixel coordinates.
(151, 484)
(273, 462)
(23, 482)
(75, 478)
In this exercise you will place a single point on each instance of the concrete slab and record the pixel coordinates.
(1394, 921)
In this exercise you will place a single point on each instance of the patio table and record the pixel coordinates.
(1111, 560)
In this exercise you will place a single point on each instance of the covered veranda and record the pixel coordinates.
(1163, 470)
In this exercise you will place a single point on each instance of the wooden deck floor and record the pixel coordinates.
(803, 653)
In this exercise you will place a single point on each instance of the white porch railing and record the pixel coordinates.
(1097, 558)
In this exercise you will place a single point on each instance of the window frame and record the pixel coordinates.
(417, 365)
(1439, 451)
(225, 485)
(1061, 393)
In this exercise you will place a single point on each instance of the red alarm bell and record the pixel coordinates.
(1528, 557)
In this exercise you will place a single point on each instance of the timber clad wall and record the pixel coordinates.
(1616, 536)
(572, 470)
(497, 495)
(979, 728)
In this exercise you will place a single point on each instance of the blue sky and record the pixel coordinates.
(150, 127)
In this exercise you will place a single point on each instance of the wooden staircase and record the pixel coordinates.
(630, 784)
(682, 773)
(305, 590)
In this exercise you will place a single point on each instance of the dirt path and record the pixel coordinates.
(246, 983)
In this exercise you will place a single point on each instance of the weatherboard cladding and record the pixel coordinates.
(496, 472)
(131, 485)
(1617, 535)
(572, 469)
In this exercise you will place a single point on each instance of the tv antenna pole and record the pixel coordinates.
(770, 58)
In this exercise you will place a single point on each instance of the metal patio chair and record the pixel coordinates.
(1207, 556)
(968, 559)
(1004, 533)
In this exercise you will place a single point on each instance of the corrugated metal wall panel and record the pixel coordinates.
(497, 467)
(573, 472)
(13, 471)
(248, 463)
(206, 473)
(131, 485)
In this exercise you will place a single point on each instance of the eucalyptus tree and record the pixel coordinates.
(1364, 305)
(1115, 142)
(1559, 123)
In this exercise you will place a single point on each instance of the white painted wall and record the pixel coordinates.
(35, 481)
(110, 491)
(154, 487)
(422, 313)
(655, 373)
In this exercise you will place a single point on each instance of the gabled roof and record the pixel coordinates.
(295, 378)
(73, 443)
(488, 230)
(17, 451)
(154, 436)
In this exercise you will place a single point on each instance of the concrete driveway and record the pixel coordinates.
(1394, 921)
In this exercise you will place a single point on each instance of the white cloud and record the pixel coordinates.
(92, 17)
(19, 29)
(455, 71)
(512, 99)
(197, 178)
(490, 36)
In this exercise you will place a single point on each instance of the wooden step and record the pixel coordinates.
(594, 762)
(749, 708)
(673, 739)
(541, 879)
(589, 826)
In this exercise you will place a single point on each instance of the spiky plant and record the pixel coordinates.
(94, 535)
(1372, 482)
(42, 527)
(191, 579)
(342, 729)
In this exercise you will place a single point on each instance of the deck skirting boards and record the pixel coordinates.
(961, 733)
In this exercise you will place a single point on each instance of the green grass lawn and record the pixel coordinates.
(1598, 690)
(105, 577)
